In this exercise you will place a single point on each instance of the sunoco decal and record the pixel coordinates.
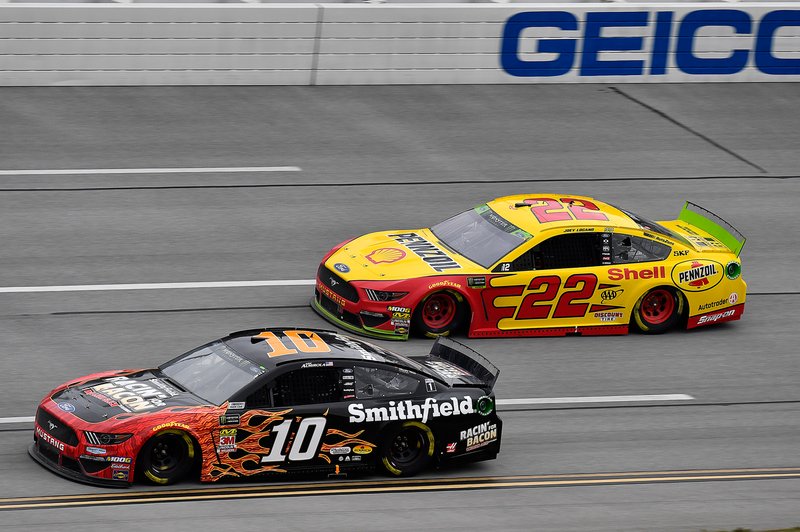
(401, 410)
(432, 255)
(697, 275)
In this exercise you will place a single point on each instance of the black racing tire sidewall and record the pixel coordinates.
(146, 470)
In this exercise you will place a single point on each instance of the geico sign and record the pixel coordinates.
(666, 37)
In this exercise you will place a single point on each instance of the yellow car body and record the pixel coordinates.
(536, 265)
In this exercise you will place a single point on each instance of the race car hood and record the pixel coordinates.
(395, 255)
(138, 392)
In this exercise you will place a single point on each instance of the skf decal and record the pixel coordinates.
(697, 275)
(432, 255)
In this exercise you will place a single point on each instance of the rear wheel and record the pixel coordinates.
(167, 457)
(658, 310)
(408, 449)
(439, 315)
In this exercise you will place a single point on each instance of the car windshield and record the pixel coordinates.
(213, 372)
(649, 225)
(481, 235)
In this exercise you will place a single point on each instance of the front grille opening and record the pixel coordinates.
(92, 466)
(337, 284)
(69, 463)
(56, 428)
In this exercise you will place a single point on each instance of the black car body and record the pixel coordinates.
(273, 401)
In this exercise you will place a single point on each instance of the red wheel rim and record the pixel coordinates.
(657, 306)
(438, 311)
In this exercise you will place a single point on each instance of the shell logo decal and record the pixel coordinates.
(697, 275)
(386, 255)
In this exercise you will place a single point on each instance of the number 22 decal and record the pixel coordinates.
(553, 210)
(535, 306)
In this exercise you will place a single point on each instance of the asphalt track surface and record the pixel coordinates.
(376, 158)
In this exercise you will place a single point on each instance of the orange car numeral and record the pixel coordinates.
(304, 341)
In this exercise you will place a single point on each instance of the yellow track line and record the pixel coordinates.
(403, 482)
(314, 489)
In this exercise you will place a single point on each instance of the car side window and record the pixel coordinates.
(572, 250)
(627, 249)
(300, 387)
(372, 382)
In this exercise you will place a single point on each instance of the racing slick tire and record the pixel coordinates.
(167, 457)
(658, 310)
(440, 314)
(407, 449)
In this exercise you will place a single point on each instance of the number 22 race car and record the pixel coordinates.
(272, 402)
(536, 265)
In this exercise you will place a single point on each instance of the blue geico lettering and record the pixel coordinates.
(593, 43)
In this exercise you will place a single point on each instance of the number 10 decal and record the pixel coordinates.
(305, 444)
(534, 306)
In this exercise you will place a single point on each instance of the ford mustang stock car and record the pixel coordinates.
(272, 402)
(536, 265)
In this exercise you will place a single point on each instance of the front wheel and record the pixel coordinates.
(408, 449)
(439, 314)
(658, 310)
(166, 458)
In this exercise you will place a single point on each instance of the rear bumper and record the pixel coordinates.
(717, 316)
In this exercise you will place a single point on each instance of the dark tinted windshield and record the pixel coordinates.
(481, 235)
(214, 372)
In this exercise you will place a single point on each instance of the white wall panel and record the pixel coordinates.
(356, 43)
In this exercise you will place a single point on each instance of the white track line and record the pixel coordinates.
(598, 399)
(200, 170)
(153, 286)
(531, 401)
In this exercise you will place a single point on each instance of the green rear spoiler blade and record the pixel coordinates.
(713, 225)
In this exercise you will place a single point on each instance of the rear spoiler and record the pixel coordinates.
(713, 225)
(456, 353)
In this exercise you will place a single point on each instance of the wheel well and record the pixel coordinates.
(683, 303)
(461, 299)
(197, 451)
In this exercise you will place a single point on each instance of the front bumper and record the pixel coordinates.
(350, 322)
(47, 461)
(57, 445)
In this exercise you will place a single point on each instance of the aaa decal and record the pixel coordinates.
(697, 275)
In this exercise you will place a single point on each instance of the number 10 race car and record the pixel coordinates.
(536, 265)
(272, 402)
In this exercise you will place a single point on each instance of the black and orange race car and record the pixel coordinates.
(536, 265)
(272, 401)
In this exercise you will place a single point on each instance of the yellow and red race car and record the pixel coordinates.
(536, 265)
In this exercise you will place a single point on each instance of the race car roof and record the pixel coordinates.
(558, 210)
(275, 346)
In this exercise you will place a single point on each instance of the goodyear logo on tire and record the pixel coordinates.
(697, 275)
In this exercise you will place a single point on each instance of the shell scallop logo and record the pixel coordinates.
(386, 255)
